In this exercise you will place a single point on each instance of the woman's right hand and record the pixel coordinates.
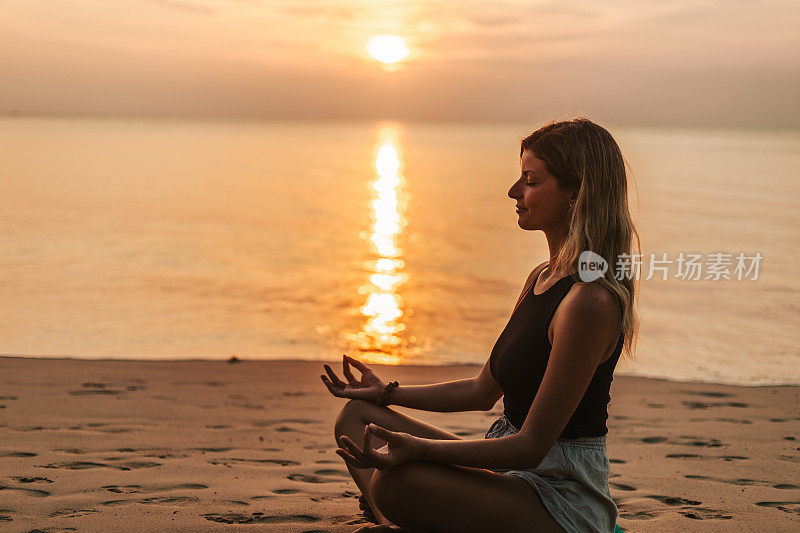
(369, 387)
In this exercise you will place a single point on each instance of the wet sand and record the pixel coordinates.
(214, 446)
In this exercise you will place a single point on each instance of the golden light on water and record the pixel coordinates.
(379, 340)
(388, 49)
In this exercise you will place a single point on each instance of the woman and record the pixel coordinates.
(553, 365)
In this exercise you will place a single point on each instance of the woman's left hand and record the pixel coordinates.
(400, 448)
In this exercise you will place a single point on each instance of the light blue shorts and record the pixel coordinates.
(571, 481)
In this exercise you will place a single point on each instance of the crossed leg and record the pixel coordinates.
(424, 496)
(356, 415)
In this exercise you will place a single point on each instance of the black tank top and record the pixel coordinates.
(519, 359)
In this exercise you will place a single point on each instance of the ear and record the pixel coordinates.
(573, 198)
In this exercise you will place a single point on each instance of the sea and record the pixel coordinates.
(393, 242)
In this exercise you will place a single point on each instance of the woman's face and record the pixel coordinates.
(541, 203)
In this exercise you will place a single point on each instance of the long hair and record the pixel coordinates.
(585, 157)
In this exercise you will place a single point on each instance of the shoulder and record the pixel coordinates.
(590, 305)
(592, 296)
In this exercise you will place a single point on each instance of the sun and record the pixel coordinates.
(388, 49)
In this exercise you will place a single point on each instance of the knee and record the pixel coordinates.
(392, 488)
(353, 410)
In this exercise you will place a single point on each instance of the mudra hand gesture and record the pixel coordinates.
(400, 447)
(369, 387)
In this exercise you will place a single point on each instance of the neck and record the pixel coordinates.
(555, 238)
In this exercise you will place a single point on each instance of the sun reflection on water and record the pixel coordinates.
(380, 339)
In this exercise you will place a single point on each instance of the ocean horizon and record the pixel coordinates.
(394, 242)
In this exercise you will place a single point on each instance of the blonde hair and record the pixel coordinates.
(583, 156)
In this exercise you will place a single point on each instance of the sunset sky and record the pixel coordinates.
(676, 62)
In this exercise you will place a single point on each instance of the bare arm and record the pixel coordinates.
(589, 324)
(471, 394)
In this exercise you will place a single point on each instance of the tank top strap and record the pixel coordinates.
(535, 274)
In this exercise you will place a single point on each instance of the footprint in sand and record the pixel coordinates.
(653, 440)
(272, 422)
(166, 455)
(167, 500)
(245, 405)
(702, 513)
(124, 489)
(639, 515)
(620, 486)
(698, 456)
(85, 465)
(238, 502)
(708, 405)
(701, 442)
(332, 472)
(74, 451)
(745, 482)
(710, 394)
(72, 513)
(17, 454)
(215, 450)
(673, 501)
(318, 446)
(282, 462)
(20, 479)
(321, 476)
(96, 392)
(218, 426)
(786, 507)
(286, 491)
(741, 421)
(138, 489)
(616, 461)
(259, 518)
(684, 440)
(30, 492)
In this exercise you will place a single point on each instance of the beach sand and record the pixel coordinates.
(215, 446)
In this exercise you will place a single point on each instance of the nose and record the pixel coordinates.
(513, 191)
